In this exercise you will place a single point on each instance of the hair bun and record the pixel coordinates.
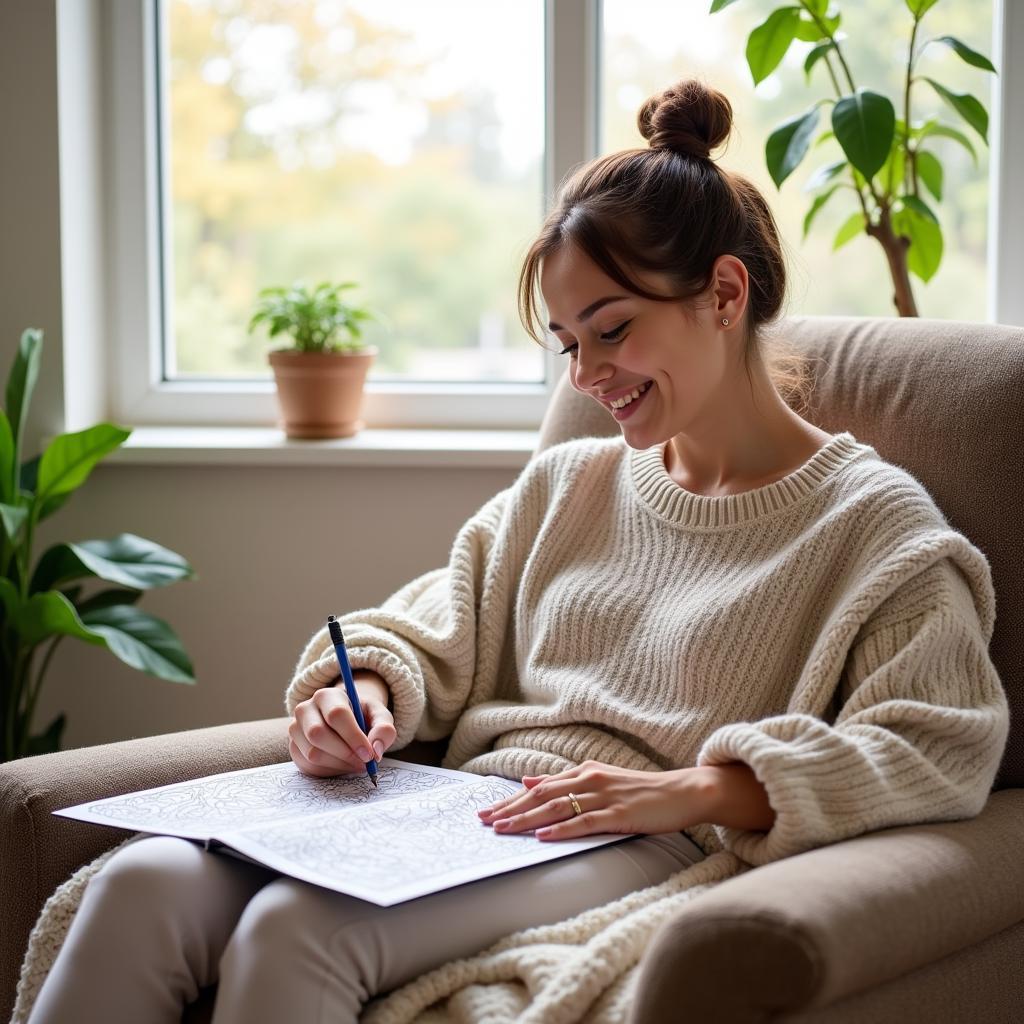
(689, 118)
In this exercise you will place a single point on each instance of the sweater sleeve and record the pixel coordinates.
(422, 640)
(922, 725)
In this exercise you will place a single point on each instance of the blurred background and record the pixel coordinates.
(391, 144)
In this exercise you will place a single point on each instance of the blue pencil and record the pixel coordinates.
(338, 639)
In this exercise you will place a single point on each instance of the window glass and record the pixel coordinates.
(649, 44)
(398, 145)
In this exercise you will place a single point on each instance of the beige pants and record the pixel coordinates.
(164, 918)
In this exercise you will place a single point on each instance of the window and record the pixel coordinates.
(264, 143)
(639, 61)
(505, 135)
(353, 141)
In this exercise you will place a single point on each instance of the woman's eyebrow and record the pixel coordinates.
(589, 311)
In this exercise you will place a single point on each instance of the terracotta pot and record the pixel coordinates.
(320, 394)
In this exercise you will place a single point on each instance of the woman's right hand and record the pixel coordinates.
(324, 738)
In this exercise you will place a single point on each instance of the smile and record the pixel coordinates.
(624, 407)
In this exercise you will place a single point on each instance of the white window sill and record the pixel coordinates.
(268, 446)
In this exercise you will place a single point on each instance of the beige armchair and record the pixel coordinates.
(920, 925)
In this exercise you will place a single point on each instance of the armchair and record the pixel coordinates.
(913, 924)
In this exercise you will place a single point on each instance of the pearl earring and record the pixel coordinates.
(725, 321)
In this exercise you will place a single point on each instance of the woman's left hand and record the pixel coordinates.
(611, 799)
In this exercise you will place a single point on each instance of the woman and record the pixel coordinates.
(726, 630)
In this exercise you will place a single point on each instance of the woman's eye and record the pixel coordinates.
(610, 336)
(613, 335)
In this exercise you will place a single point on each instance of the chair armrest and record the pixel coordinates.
(38, 850)
(806, 931)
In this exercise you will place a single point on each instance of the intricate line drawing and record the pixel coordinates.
(412, 841)
(232, 800)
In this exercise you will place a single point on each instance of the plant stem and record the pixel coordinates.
(34, 691)
(12, 741)
(896, 247)
(911, 156)
(26, 548)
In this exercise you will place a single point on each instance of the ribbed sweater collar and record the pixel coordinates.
(674, 503)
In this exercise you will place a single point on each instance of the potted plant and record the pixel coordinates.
(38, 605)
(320, 376)
(884, 154)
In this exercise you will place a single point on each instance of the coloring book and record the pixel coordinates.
(416, 833)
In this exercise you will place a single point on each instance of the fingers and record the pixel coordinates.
(327, 738)
(544, 801)
(307, 767)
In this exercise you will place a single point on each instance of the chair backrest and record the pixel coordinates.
(944, 399)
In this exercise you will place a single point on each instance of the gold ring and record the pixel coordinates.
(576, 809)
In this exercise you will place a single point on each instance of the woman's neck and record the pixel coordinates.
(750, 444)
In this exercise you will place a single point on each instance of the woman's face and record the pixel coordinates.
(678, 365)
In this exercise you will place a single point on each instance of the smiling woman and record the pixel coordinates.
(676, 269)
(714, 691)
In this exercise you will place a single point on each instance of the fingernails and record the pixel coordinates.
(378, 748)
(364, 754)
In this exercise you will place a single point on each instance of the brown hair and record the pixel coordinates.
(671, 210)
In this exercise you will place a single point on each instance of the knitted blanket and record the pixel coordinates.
(582, 969)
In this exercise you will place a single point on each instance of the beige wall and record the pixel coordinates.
(276, 549)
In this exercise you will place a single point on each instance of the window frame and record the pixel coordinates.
(137, 250)
(131, 263)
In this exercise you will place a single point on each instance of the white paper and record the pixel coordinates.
(415, 834)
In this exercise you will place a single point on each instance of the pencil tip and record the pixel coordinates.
(373, 779)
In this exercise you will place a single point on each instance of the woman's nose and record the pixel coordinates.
(591, 367)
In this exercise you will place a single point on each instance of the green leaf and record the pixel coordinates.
(823, 175)
(13, 518)
(930, 171)
(815, 55)
(808, 30)
(925, 252)
(21, 383)
(720, 5)
(45, 614)
(819, 202)
(125, 559)
(106, 598)
(69, 459)
(891, 174)
(865, 124)
(47, 741)
(852, 227)
(788, 145)
(969, 108)
(768, 43)
(142, 641)
(7, 458)
(29, 485)
(934, 128)
(971, 56)
(921, 207)
(919, 7)
(9, 598)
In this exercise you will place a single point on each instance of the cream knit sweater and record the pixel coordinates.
(830, 630)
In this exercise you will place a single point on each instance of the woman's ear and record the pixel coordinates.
(731, 285)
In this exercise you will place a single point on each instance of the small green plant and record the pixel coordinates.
(316, 321)
(885, 154)
(36, 605)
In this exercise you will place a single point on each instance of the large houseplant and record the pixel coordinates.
(45, 604)
(884, 154)
(320, 376)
